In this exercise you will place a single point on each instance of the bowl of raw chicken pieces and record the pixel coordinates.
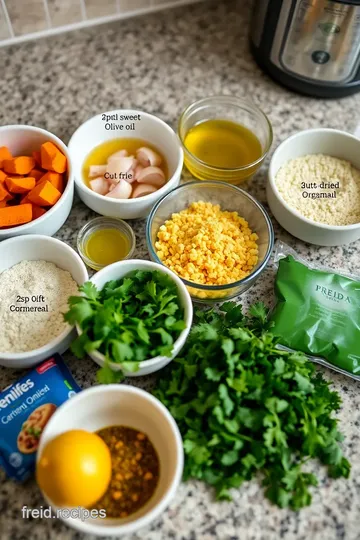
(124, 162)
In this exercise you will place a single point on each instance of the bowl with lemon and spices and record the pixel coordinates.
(81, 437)
(215, 236)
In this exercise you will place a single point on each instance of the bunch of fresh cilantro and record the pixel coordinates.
(245, 407)
(129, 320)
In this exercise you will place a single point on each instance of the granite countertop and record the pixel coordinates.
(160, 63)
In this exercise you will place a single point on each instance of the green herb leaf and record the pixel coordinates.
(166, 338)
(204, 332)
(142, 332)
(230, 457)
(79, 312)
(129, 320)
(131, 367)
(90, 290)
(121, 351)
(106, 375)
(303, 383)
(259, 311)
(244, 406)
(78, 346)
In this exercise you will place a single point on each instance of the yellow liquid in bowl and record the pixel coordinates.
(107, 246)
(225, 145)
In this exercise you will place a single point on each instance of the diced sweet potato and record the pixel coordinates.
(4, 154)
(52, 159)
(44, 194)
(4, 194)
(37, 174)
(37, 211)
(37, 156)
(20, 185)
(30, 183)
(55, 178)
(15, 215)
(25, 199)
(19, 165)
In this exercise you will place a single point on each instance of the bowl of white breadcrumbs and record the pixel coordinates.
(314, 186)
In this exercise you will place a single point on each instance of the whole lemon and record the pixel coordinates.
(74, 469)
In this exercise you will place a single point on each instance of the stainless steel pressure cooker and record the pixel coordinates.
(311, 46)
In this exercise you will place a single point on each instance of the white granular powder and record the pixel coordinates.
(33, 297)
(321, 188)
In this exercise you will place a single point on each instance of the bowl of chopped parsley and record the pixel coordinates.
(132, 319)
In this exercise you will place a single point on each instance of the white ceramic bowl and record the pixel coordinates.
(117, 271)
(149, 128)
(114, 405)
(24, 140)
(32, 248)
(313, 141)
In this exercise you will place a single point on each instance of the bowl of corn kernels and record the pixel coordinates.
(216, 237)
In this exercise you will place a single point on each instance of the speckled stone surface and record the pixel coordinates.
(159, 64)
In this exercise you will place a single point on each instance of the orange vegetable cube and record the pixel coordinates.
(3, 204)
(37, 211)
(19, 185)
(55, 178)
(37, 156)
(2, 177)
(25, 199)
(35, 173)
(19, 165)
(15, 215)
(4, 194)
(4, 154)
(44, 194)
(52, 159)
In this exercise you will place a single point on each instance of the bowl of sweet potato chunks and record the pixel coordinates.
(36, 181)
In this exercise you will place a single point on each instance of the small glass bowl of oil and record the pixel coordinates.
(224, 138)
(104, 241)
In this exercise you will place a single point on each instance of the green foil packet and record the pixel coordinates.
(317, 312)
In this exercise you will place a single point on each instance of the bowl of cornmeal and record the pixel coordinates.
(37, 275)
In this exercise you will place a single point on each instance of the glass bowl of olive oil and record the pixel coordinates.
(103, 241)
(224, 138)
